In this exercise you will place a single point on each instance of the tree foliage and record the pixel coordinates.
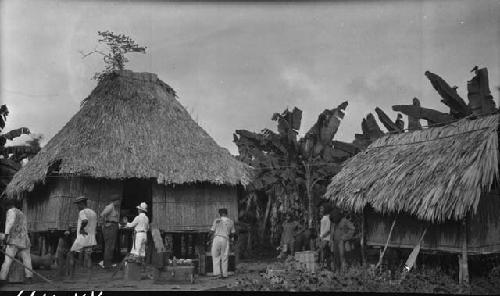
(289, 169)
(118, 46)
(12, 156)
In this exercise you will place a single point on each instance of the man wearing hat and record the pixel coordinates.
(16, 240)
(85, 237)
(111, 217)
(222, 230)
(141, 226)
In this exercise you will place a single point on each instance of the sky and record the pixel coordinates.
(234, 65)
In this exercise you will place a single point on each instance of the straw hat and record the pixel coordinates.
(80, 199)
(143, 206)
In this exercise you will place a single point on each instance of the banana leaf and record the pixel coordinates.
(432, 116)
(480, 99)
(387, 122)
(458, 107)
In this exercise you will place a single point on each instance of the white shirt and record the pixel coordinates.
(9, 221)
(325, 227)
(223, 226)
(88, 240)
(140, 223)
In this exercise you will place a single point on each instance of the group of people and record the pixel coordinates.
(17, 242)
(334, 231)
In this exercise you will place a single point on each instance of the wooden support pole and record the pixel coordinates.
(386, 244)
(362, 240)
(463, 274)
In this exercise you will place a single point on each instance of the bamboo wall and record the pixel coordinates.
(51, 206)
(192, 207)
(483, 230)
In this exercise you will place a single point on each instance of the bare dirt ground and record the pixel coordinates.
(251, 276)
(101, 281)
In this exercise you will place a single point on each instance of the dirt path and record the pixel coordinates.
(101, 281)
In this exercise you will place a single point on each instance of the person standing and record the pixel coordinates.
(85, 237)
(342, 231)
(141, 227)
(324, 237)
(222, 231)
(287, 242)
(111, 217)
(16, 240)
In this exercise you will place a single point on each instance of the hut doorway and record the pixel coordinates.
(136, 191)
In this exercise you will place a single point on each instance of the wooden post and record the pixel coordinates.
(386, 244)
(463, 275)
(362, 241)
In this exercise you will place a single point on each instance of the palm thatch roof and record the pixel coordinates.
(434, 174)
(132, 126)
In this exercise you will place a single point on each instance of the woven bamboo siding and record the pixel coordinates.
(192, 207)
(483, 230)
(53, 207)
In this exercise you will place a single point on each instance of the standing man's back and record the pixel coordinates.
(223, 231)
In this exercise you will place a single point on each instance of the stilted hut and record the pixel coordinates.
(131, 136)
(443, 180)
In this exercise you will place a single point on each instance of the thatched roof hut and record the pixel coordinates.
(432, 178)
(131, 129)
(131, 126)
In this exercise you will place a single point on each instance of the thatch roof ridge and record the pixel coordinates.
(131, 126)
(435, 174)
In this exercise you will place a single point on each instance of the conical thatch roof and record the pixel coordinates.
(132, 126)
(435, 174)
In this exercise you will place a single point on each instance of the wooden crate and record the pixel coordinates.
(179, 273)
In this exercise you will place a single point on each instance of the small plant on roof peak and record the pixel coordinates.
(119, 45)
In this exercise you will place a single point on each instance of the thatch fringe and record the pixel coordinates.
(131, 126)
(435, 174)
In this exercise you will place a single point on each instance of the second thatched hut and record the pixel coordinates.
(442, 182)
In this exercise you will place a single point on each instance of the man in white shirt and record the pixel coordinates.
(324, 237)
(85, 237)
(111, 218)
(17, 240)
(141, 227)
(222, 230)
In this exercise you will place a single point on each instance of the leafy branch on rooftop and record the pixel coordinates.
(119, 45)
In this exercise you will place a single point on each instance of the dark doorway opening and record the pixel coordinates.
(136, 191)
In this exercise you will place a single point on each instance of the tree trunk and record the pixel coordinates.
(262, 228)
(310, 201)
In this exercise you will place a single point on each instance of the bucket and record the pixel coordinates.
(132, 271)
(308, 258)
(16, 273)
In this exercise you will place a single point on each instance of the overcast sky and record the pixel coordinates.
(233, 65)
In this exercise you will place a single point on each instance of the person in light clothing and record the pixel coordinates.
(16, 240)
(111, 217)
(324, 236)
(222, 231)
(85, 237)
(141, 227)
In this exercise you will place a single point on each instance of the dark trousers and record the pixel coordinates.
(338, 254)
(325, 254)
(110, 233)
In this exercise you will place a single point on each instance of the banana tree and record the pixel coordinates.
(12, 156)
(287, 166)
(319, 157)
